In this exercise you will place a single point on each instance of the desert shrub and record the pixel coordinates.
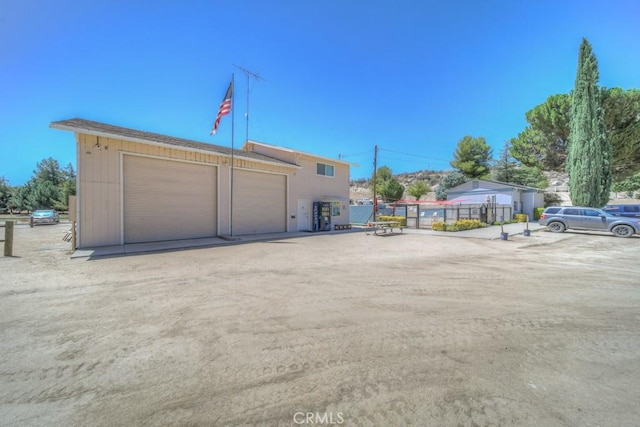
(400, 219)
(439, 226)
(520, 217)
(537, 212)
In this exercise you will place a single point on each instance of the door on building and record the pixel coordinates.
(304, 214)
(259, 202)
(167, 199)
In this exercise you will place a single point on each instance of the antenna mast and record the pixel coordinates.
(256, 76)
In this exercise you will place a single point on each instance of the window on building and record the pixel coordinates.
(335, 209)
(324, 169)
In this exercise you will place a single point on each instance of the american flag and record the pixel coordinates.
(224, 109)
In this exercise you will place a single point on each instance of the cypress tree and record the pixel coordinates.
(589, 154)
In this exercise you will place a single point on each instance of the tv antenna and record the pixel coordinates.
(256, 76)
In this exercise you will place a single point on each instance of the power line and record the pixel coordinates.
(414, 155)
(342, 156)
(429, 161)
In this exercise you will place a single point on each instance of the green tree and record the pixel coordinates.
(383, 174)
(66, 188)
(49, 170)
(418, 189)
(472, 157)
(629, 185)
(387, 187)
(450, 180)
(49, 187)
(37, 194)
(622, 118)
(589, 154)
(505, 167)
(5, 194)
(543, 143)
(391, 190)
(531, 177)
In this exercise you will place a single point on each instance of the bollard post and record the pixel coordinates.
(31, 221)
(8, 238)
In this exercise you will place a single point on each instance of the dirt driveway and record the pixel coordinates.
(341, 329)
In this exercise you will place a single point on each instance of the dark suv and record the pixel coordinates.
(631, 211)
(560, 218)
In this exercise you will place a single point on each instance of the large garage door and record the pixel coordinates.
(259, 203)
(168, 200)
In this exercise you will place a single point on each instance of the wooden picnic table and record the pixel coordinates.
(382, 227)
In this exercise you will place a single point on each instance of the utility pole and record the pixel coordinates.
(233, 120)
(256, 76)
(375, 172)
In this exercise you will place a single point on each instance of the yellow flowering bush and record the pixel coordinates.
(439, 226)
(467, 224)
(400, 219)
(520, 217)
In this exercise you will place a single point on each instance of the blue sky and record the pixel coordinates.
(412, 76)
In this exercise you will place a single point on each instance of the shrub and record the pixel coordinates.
(400, 219)
(439, 226)
(509, 221)
(467, 224)
(460, 225)
(537, 212)
(520, 217)
(551, 199)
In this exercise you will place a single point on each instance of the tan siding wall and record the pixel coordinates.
(99, 198)
(307, 184)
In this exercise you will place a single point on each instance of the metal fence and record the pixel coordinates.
(423, 215)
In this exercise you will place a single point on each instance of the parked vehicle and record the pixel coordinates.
(45, 216)
(631, 211)
(560, 218)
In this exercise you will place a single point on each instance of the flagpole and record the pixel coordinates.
(233, 110)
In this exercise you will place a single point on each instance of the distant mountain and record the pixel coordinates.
(360, 188)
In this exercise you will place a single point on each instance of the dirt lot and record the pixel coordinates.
(346, 328)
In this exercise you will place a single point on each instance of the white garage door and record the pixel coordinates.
(259, 203)
(168, 200)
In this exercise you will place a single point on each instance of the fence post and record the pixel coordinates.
(74, 237)
(8, 238)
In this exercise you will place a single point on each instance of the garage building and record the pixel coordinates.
(135, 186)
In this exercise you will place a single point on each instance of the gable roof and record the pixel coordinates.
(90, 127)
(522, 187)
(291, 151)
(467, 187)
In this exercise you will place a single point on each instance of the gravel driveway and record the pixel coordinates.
(333, 329)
